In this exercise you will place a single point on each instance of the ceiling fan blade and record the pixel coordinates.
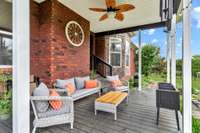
(110, 3)
(98, 9)
(125, 7)
(105, 16)
(119, 16)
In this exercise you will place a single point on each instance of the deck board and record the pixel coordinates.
(139, 116)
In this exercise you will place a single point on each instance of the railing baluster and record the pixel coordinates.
(99, 66)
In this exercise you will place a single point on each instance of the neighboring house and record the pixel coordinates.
(117, 51)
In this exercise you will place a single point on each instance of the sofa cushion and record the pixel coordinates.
(84, 92)
(41, 90)
(52, 112)
(111, 78)
(90, 84)
(70, 89)
(60, 83)
(80, 82)
(116, 83)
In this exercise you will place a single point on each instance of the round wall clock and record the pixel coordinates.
(74, 33)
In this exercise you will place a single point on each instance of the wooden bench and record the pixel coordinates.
(110, 101)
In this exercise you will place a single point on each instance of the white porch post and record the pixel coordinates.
(140, 62)
(187, 75)
(168, 58)
(173, 50)
(21, 120)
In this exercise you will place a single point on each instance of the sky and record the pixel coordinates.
(158, 36)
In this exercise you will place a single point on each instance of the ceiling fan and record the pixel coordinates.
(112, 7)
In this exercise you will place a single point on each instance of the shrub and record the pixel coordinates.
(195, 125)
(6, 103)
(5, 77)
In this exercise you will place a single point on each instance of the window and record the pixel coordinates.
(115, 50)
(127, 54)
(5, 49)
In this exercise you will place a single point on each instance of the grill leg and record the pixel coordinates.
(177, 120)
(158, 114)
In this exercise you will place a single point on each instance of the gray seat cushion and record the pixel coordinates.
(84, 92)
(60, 83)
(41, 90)
(52, 112)
(80, 82)
(111, 78)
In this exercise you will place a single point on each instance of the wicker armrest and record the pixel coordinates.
(58, 90)
(99, 83)
(166, 90)
(47, 98)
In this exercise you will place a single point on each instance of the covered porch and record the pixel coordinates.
(140, 114)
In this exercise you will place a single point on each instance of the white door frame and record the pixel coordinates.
(21, 66)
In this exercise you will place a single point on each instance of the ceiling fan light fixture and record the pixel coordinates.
(114, 10)
(111, 14)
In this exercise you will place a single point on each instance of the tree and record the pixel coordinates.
(195, 65)
(150, 55)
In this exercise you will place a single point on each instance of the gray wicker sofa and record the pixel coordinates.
(45, 115)
(78, 83)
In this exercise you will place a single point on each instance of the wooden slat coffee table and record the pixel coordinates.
(110, 101)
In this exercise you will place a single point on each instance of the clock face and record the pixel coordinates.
(74, 33)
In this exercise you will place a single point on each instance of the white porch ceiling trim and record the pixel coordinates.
(146, 12)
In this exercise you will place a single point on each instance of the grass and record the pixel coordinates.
(195, 125)
(146, 80)
(155, 78)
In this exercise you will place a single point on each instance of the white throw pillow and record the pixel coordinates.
(41, 90)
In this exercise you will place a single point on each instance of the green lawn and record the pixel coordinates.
(155, 78)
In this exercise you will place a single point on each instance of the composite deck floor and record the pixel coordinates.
(139, 116)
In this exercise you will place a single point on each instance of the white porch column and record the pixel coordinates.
(21, 111)
(173, 50)
(187, 74)
(140, 62)
(168, 58)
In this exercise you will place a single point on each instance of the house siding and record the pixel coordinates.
(102, 51)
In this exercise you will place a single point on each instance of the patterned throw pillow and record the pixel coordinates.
(116, 83)
(89, 84)
(60, 83)
(70, 89)
(55, 104)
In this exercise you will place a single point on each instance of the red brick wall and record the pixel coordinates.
(52, 56)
